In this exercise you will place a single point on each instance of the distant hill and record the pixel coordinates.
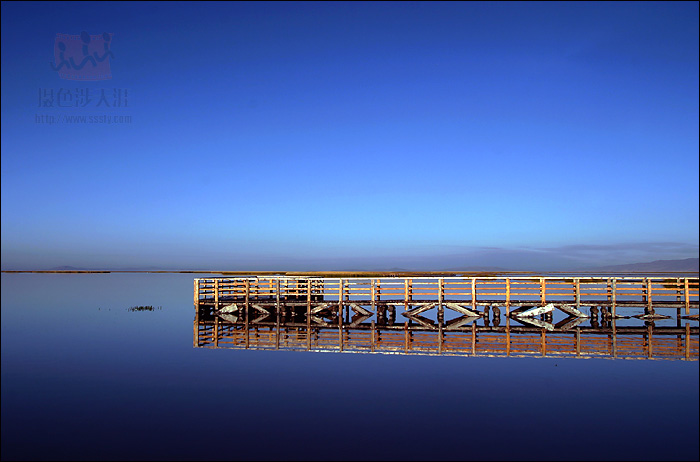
(473, 269)
(689, 264)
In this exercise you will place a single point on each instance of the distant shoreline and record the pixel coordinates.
(351, 273)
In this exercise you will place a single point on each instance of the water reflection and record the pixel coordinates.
(354, 328)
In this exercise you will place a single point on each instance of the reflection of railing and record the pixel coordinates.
(226, 330)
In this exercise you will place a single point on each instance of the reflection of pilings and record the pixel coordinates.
(647, 341)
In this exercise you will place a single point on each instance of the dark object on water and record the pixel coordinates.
(144, 308)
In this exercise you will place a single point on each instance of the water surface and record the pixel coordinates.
(85, 378)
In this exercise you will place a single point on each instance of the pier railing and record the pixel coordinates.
(649, 292)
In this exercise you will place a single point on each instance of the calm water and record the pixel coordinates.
(84, 378)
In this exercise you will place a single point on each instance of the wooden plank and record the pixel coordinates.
(536, 322)
(460, 321)
(537, 311)
(519, 310)
(359, 310)
(461, 309)
(420, 320)
(568, 323)
(571, 311)
(359, 321)
(420, 308)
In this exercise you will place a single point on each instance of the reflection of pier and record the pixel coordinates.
(269, 332)
(578, 317)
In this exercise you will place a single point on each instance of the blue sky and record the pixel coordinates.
(350, 136)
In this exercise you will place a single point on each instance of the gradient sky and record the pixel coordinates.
(350, 136)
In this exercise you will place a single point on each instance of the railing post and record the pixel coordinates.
(341, 290)
(308, 314)
(687, 298)
(196, 326)
(196, 292)
(441, 315)
(441, 312)
(277, 305)
(577, 293)
(216, 294)
(614, 298)
(507, 298)
(247, 302)
(543, 292)
(473, 294)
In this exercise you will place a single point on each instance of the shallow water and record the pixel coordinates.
(85, 378)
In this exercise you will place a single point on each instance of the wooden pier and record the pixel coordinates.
(437, 315)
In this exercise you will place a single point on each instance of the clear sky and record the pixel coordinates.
(350, 136)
